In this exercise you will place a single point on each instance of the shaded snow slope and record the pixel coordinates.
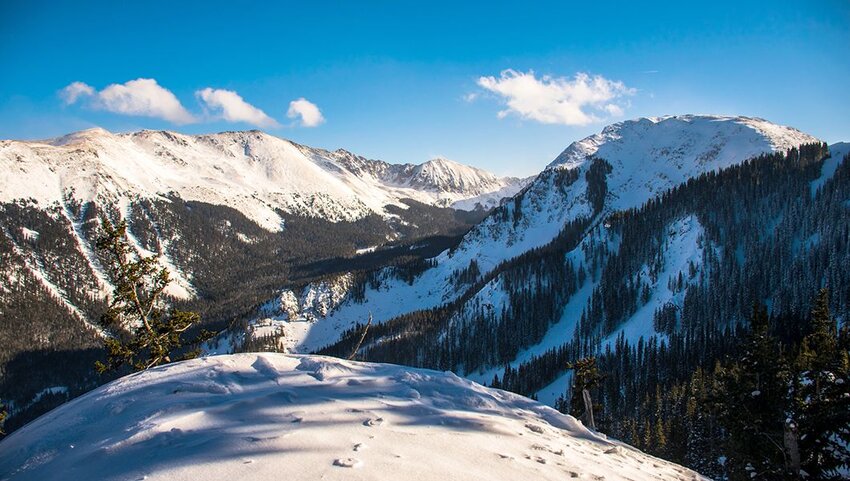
(837, 153)
(254, 172)
(272, 416)
(648, 157)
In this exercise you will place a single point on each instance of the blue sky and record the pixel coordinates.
(503, 86)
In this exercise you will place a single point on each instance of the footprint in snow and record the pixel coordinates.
(360, 447)
(374, 422)
(534, 428)
(348, 463)
(614, 450)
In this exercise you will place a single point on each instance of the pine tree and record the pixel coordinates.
(3, 415)
(646, 439)
(701, 452)
(586, 376)
(750, 399)
(659, 437)
(143, 332)
(822, 400)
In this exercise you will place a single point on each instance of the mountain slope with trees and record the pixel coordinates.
(233, 217)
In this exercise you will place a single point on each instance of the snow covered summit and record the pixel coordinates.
(647, 157)
(251, 171)
(273, 416)
(680, 139)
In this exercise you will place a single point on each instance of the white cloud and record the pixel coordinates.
(614, 110)
(146, 98)
(309, 113)
(557, 100)
(470, 97)
(74, 91)
(233, 108)
(143, 97)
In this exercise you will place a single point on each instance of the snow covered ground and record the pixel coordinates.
(275, 416)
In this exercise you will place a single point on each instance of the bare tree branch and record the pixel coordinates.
(362, 337)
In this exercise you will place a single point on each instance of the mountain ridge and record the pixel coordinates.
(778, 137)
(252, 171)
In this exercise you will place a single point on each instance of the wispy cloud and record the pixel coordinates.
(142, 97)
(582, 100)
(74, 91)
(308, 113)
(230, 106)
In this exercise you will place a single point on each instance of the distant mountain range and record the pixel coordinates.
(253, 172)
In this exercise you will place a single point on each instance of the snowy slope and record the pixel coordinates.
(648, 156)
(251, 171)
(271, 416)
(838, 151)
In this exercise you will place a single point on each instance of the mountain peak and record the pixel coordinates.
(80, 136)
(719, 139)
(446, 175)
(440, 160)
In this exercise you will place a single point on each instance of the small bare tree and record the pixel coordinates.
(362, 338)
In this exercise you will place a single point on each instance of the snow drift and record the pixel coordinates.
(274, 416)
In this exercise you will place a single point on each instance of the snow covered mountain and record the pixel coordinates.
(251, 171)
(439, 175)
(233, 216)
(272, 416)
(623, 167)
(523, 282)
(646, 157)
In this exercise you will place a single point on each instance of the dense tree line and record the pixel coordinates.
(469, 334)
(539, 284)
(740, 404)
